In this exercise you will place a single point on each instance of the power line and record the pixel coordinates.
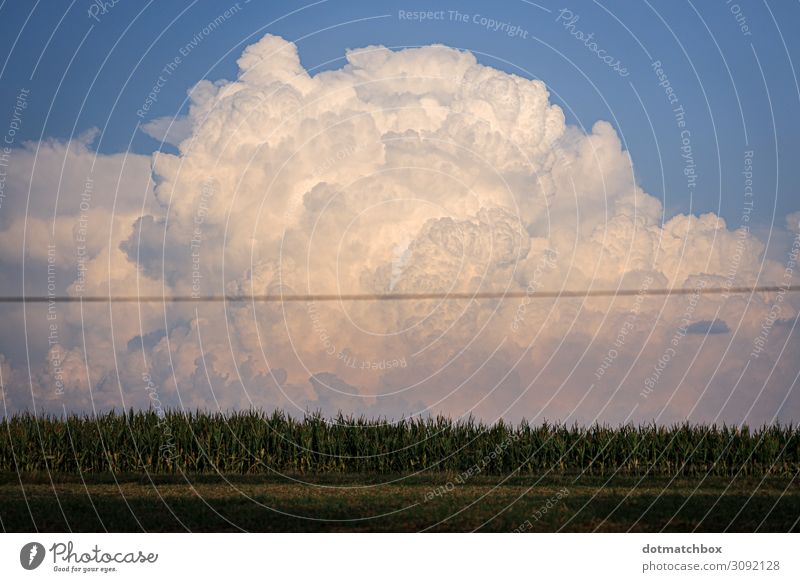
(295, 298)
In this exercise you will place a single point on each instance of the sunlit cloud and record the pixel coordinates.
(418, 170)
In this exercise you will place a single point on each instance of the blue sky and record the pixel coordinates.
(88, 72)
(404, 172)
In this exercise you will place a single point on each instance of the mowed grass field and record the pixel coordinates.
(257, 472)
(363, 503)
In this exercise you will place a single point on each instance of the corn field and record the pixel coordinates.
(254, 442)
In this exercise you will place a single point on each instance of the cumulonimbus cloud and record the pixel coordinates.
(415, 171)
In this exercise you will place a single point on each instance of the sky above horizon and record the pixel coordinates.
(341, 147)
(739, 89)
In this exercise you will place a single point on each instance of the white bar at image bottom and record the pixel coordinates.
(370, 557)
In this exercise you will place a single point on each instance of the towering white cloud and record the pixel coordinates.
(404, 171)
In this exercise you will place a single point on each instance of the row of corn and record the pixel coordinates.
(256, 442)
